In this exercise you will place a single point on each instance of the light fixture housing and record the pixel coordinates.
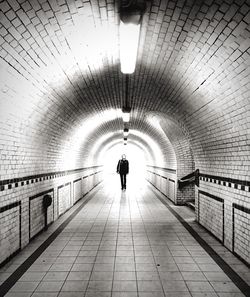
(131, 13)
(126, 114)
(125, 132)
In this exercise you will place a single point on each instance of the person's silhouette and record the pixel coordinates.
(123, 170)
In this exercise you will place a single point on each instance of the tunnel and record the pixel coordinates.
(182, 226)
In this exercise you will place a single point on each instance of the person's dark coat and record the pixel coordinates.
(123, 167)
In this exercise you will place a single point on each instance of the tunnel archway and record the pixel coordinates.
(60, 94)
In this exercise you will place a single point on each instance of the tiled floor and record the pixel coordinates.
(125, 244)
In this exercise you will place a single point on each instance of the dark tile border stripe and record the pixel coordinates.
(212, 196)
(41, 194)
(221, 200)
(17, 274)
(77, 180)
(3, 209)
(9, 206)
(20, 181)
(236, 279)
(243, 209)
(225, 181)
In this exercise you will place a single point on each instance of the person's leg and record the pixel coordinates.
(121, 176)
(124, 181)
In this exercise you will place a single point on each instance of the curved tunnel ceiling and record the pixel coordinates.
(64, 77)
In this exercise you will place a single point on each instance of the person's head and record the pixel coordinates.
(123, 157)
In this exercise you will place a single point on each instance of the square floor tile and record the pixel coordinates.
(49, 286)
(79, 275)
(210, 267)
(45, 294)
(149, 286)
(91, 293)
(168, 267)
(124, 275)
(39, 268)
(75, 286)
(61, 267)
(68, 253)
(71, 294)
(32, 276)
(124, 294)
(193, 276)
(24, 286)
(65, 260)
(100, 285)
(105, 260)
(170, 275)
(85, 260)
(147, 275)
(82, 267)
(146, 267)
(87, 253)
(151, 294)
(184, 260)
(174, 286)
(199, 286)
(205, 294)
(124, 286)
(228, 287)
(216, 276)
(101, 275)
(188, 267)
(55, 276)
(124, 267)
(103, 267)
(222, 294)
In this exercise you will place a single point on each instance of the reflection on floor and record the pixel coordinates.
(125, 244)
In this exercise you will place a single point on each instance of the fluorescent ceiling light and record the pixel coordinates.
(126, 114)
(125, 132)
(126, 117)
(129, 40)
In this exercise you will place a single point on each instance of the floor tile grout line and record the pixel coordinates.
(113, 272)
(80, 250)
(152, 251)
(18, 273)
(185, 281)
(97, 249)
(236, 279)
(131, 228)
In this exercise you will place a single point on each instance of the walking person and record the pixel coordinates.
(123, 169)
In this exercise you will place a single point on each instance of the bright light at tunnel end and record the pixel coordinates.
(129, 39)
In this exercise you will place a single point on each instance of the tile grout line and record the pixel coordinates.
(131, 229)
(236, 279)
(18, 273)
(117, 237)
(92, 270)
(146, 232)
